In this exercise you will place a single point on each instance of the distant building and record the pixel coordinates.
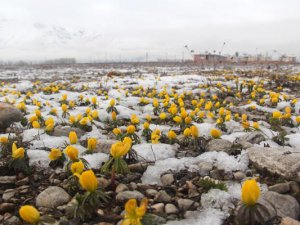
(287, 59)
(209, 58)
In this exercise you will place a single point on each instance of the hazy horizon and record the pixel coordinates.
(126, 30)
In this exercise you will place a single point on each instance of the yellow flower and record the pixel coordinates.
(64, 97)
(73, 137)
(49, 127)
(194, 131)
(113, 116)
(112, 102)
(72, 119)
(29, 214)
(84, 121)
(148, 118)
(88, 181)
(72, 152)
(134, 119)
(55, 154)
(163, 116)
(244, 117)
(38, 113)
(88, 111)
(3, 140)
(187, 132)
(77, 167)
(246, 124)
(188, 120)
(276, 115)
(117, 131)
(36, 125)
(130, 129)
(94, 100)
(120, 149)
(255, 125)
(250, 192)
(95, 114)
(177, 119)
(92, 142)
(155, 103)
(171, 134)
(49, 121)
(215, 133)
(64, 108)
(146, 125)
(17, 153)
(133, 213)
(298, 119)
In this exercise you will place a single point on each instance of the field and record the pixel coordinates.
(158, 144)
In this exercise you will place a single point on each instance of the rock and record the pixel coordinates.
(294, 187)
(163, 196)
(186, 204)
(205, 168)
(158, 208)
(151, 192)
(254, 137)
(6, 207)
(287, 165)
(171, 209)
(8, 194)
(104, 146)
(280, 188)
(8, 115)
(12, 221)
(138, 167)
(52, 197)
(289, 221)
(121, 188)
(126, 195)
(217, 174)
(103, 182)
(167, 179)
(219, 145)
(23, 181)
(65, 130)
(245, 144)
(8, 179)
(239, 176)
(286, 205)
(234, 100)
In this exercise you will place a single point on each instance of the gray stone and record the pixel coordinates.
(52, 197)
(163, 196)
(8, 115)
(103, 182)
(171, 209)
(239, 176)
(186, 204)
(121, 188)
(12, 221)
(65, 130)
(254, 137)
(8, 179)
(167, 179)
(158, 208)
(104, 146)
(280, 188)
(289, 221)
(126, 195)
(8, 194)
(286, 205)
(151, 192)
(276, 161)
(205, 168)
(6, 207)
(219, 145)
(217, 174)
(294, 187)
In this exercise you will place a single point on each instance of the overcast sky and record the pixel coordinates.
(127, 29)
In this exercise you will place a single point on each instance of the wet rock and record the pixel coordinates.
(217, 174)
(254, 137)
(163, 196)
(7, 179)
(103, 182)
(294, 187)
(65, 130)
(280, 188)
(287, 165)
(286, 205)
(167, 179)
(220, 145)
(171, 209)
(126, 195)
(52, 197)
(8, 115)
(186, 204)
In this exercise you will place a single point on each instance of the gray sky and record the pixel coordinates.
(127, 29)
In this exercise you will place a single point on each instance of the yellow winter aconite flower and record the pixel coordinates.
(77, 167)
(92, 142)
(113, 115)
(120, 148)
(38, 113)
(17, 153)
(171, 135)
(29, 214)
(146, 125)
(215, 133)
(250, 192)
(255, 125)
(36, 125)
(94, 100)
(130, 129)
(88, 181)
(55, 154)
(134, 119)
(117, 131)
(72, 152)
(187, 132)
(133, 213)
(276, 115)
(246, 124)
(298, 119)
(64, 108)
(163, 116)
(112, 103)
(3, 140)
(84, 121)
(73, 137)
(194, 131)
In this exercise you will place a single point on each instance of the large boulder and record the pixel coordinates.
(65, 130)
(8, 115)
(219, 145)
(52, 197)
(277, 161)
